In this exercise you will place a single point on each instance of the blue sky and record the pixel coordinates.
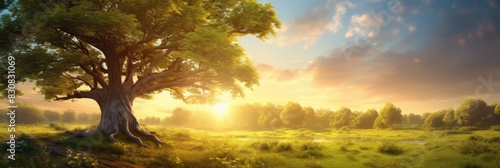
(421, 55)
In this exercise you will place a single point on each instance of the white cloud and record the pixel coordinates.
(368, 24)
(336, 24)
(311, 25)
(412, 28)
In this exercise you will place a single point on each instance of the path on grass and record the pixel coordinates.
(103, 162)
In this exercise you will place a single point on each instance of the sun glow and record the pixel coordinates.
(220, 109)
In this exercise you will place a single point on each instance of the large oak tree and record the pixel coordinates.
(114, 51)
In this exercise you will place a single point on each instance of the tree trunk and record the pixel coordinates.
(117, 118)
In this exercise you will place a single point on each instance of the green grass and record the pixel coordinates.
(293, 148)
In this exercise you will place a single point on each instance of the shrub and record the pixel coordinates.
(57, 127)
(390, 148)
(29, 152)
(495, 128)
(78, 160)
(311, 146)
(284, 147)
(311, 153)
(475, 145)
(345, 128)
(267, 146)
(182, 136)
(494, 140)
(466, 129)
(449, 132)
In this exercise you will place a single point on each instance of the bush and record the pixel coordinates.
(284, 147)
(182, 136)
(495, 128)
(345, 128)
(78, 160)
(449, 132)
(494, 140)
(390, 148)
(266, 146)
(466, 129)
(57, 127)
(477, 145)
(28, 152)
(311, 146)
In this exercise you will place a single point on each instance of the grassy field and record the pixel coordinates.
(290, 148)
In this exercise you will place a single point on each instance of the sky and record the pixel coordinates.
(421, 55)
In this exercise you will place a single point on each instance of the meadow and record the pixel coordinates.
(274, 148)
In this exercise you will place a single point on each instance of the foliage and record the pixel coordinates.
(68, 116)
(470, 112)
(83, 118)
(365, 120)
(284, 147)
(179, 116)
(495, 128)
(58, 127)
(28, 114)
(391, 148)
(247, 115)
(388, 116)
(61, 46)
(497, 109)
(78, 160)
(265, 145)
(449, 119)
(436, 119)
(475, 145)
(52, 116)
(292, 115)
(269, 116)
(214, 149)
(341, 117)
(414, 119)
(28, 154)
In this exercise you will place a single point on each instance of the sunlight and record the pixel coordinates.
(220, 109)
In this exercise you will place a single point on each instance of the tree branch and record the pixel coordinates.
(80, 79)
(156, 59)
(96, 76)
(150, 78)
(76, 95)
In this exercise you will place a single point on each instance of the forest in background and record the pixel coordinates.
(474, 113)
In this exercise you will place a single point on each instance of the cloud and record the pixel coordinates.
(280, 75)
(369, 24)
(460, 50)
(336, 24)
(308, 27)
(412, 28)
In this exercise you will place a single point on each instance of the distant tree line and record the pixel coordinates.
(471, 113)
(29, 114)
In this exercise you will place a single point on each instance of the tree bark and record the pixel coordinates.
(117, 118)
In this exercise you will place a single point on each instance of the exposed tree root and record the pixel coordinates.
(80, 134)
(153, 137)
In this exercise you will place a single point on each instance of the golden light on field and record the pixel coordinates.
(220, 109)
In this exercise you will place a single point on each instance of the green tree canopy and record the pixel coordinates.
(365, 120)
(29, 114)
(116, 51)
(292, 115)
(52, 116)
(497, 109)
(388, 116)
(471, 112)
(68, 116)
(180, 116)
(436, 119)
(341, 117)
